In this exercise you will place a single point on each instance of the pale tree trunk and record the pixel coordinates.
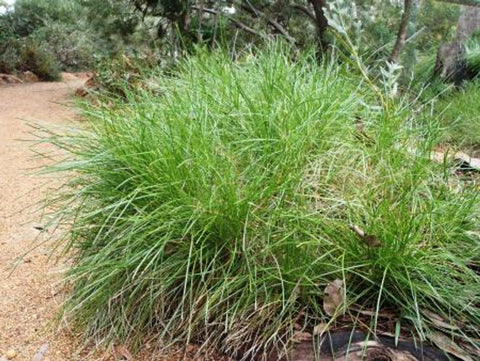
(451, 63)
(411, 50)
(201, 6)
(468, 22)
(402, 31)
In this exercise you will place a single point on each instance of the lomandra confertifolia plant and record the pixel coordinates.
(218, 209)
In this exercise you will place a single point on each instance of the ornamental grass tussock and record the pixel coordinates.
(219, 209)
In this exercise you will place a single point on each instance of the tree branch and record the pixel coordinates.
(319, 8)
(282, 30)
(258, 14)
(237, 23)
(305, 10)
(249, 7)
(402, 31)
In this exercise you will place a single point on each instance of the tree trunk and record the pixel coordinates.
(411, 50)
(468, 22)
(402, 31)
(321, 21)
(451, 63)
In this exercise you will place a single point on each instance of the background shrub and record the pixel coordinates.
(73, 49)
(26, 54)
(10, 56)
(39, 60)
(45, 37)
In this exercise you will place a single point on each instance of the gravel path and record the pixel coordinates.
(29, 296)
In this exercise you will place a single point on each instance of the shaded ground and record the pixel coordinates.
(29, 296)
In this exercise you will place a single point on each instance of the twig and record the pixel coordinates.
(282, 31)
(234, 21)
(275, 24)
(305, 10)
(402, 31)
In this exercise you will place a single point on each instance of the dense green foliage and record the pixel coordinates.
(77, 32)
(45, 36)
(219, 205)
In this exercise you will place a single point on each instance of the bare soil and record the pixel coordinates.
(30, 295)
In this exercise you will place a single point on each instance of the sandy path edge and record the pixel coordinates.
(28, 297)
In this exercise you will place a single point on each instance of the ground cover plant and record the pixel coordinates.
(219, 207)
(455, 107)
(458, 111)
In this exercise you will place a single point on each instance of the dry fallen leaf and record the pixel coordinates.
(438, 321)
(333, 298)
(369, 239)
(320, 329)
(446, 344)
(299, 336)
(123, 352)
(471, 350)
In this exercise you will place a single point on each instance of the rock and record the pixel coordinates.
(451, 63)
(81, 92)
(9, 79)
(29, 77)
(11, 354)
(39, 356)
(68, 76)
(90, 85)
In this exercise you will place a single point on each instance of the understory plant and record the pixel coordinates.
(218, 208)
(459, 113)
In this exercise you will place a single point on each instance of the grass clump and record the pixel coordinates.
(219, 210)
